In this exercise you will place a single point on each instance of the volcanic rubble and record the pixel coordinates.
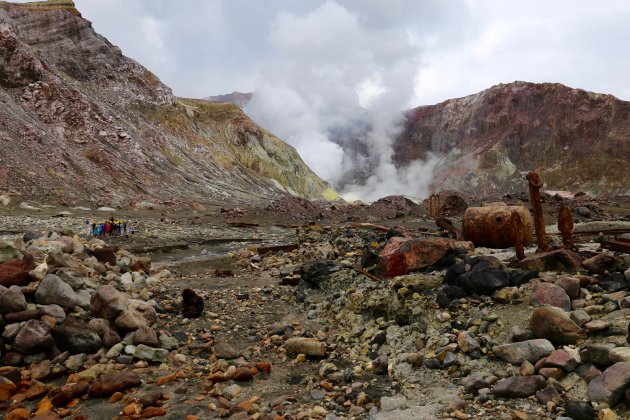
(353, 320)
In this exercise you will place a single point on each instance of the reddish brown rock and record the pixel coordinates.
(105, 385)
(562, 359)
(18, 414)
(263, 367)
(132, 410)
(518, 386)
(7, 389)
(550, 294)
(68, 392)
(401, 255)
(558, 260)
(23, 316)
(244, 374)
(151, 412)
(106, 254)
(33, 393)
(116, 396)
(15, 272)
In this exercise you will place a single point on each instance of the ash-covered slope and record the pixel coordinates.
(81, 123)
(576, 140)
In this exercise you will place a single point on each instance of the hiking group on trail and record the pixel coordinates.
(111, 227)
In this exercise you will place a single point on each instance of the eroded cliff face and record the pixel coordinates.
(576, 140)
(81, 123)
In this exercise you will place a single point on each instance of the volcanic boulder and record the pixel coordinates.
(53, 290)
(555, 325)
(34, 337)
(402, 255)
(481, 275)
(76, 337)
(108, 303)
(192, 304)
(15, 272)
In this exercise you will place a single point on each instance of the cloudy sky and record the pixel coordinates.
(317, 65)
(211, 47)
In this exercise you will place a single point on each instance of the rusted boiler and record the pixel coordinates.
(492, 226)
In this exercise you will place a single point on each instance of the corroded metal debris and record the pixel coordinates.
(535, 184)
(493, 227)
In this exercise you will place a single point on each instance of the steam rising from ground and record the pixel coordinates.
(333, 67)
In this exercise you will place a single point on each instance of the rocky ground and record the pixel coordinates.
(310, 311)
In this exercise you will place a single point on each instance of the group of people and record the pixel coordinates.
(111, 227)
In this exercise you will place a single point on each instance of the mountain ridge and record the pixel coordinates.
(572, 137)
(83, 124)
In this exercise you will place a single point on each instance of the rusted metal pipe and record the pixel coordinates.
(492, 226)
(434, 205)
(565, 225)
(618, 244)
(535, 184)
(519, 235)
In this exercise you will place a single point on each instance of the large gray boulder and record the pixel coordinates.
(53, 290)
(530, 350)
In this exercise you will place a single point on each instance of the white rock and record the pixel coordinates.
(26, 206)
(126, 279)
(619, 354)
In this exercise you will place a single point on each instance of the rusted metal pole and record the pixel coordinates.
(565, 225)
(535, 184)
(437, 205)
(434, 205)
(518, 232)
